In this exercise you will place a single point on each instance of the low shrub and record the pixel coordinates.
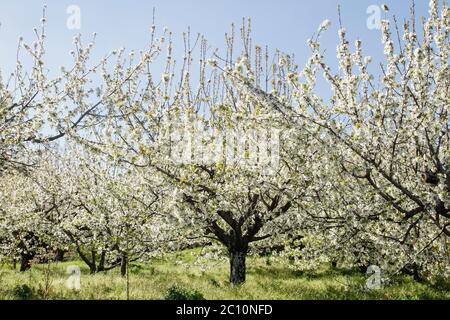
(177, 292)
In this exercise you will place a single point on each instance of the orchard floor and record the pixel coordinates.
(152, 280)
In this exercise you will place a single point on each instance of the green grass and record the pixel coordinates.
(153, 279)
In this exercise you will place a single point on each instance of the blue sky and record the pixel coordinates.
(283, 24)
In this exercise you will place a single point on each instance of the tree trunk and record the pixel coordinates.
(101, 263)
(25, 261)
(59, 255)
(237, 267)
(93, 267)
(90, 261)
(413, 270)
(416, 273)
(123, 265)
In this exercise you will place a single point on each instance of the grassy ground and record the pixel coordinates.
(265, 280)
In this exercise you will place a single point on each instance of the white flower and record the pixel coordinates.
(166, 77)
(212, 62)
(324, 25)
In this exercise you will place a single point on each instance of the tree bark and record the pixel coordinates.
(101, 263)
(25, 261)
(237, 267)
(93, 267)
(59, 255)
(413, 270)
(123, 265)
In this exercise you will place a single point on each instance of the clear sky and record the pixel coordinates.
(283, 24)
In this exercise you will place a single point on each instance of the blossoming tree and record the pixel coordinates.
(391, 136)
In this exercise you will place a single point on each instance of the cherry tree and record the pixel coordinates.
(27, 207)
(391, 135)
(230, 165)
(36, 113)
(107, 214)
(36, 108)
(124, 158)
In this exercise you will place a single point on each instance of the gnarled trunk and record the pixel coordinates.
(237, 267)
(241, 232)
